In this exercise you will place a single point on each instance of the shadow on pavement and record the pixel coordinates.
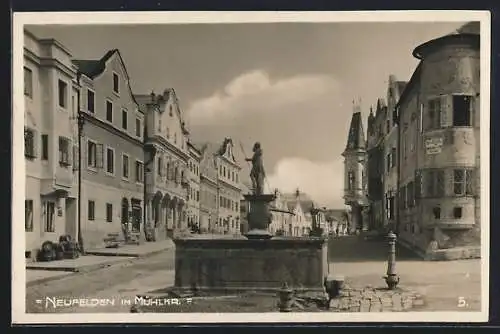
(356, 249)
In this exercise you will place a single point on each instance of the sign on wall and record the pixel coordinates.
(433, 145)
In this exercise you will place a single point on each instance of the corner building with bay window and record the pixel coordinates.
(50, 106)
(439, 123)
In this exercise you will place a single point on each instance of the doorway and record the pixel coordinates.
(125, 218)
(70, 216)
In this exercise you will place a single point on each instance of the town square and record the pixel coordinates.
(253, 167)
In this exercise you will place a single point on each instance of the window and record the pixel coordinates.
(137, 127)
(110, 160)
(63, 92)
(435, 183)
(109, 212)
(224, 171)
(403, 196)
(390, 207)
(116, 83)
(197, 195)
(410, 194)
(388, 126)
(159, 169)
(91, 210)
(28, 215)
(462, 108)
(109, 111)
(91, 154)
(29, 143)
(28, 82)
(139, 171)
(49, 214)
(125, 166)
(90, 101)
(463, 182)
(64, 151)
(45, 147)
(393, 157)
(434, 114)
(124, 119)
(436, 211)
(457, 212)
(237, 177)
(350, 180)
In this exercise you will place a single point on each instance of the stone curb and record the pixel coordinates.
(125, 254)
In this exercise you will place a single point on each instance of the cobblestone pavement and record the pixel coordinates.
(375, 300)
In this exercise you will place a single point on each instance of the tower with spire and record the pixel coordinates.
(354, 169)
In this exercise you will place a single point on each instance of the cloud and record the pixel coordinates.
(255, 92)
(322, 181)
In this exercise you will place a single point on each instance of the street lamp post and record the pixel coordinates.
(81, 122)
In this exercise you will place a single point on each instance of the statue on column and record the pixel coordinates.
(257, 173)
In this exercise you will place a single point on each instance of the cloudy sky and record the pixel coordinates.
(288, 85)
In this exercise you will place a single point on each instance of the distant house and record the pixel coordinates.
(337, 219)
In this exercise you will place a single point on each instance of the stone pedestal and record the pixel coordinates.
(251, 264)
(259, 216)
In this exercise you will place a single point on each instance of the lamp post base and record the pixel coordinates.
(392, 281)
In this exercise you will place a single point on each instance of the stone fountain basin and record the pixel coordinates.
(241, 264)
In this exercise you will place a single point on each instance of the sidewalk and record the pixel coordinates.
(82, 264)
(144, 249)
(34, 277)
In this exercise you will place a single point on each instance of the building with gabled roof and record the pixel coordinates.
(112, 150)
(229, 188)
(168, 157)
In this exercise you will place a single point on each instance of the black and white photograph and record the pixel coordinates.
(251, 167)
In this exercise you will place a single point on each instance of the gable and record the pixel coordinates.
(111, 61)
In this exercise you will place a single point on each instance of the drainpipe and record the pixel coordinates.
(81, 121)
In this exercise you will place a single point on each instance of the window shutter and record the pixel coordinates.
(445, 110)
(99, 155)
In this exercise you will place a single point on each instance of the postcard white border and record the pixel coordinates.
(19, 315)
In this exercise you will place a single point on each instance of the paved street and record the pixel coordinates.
(441, 283)
(122, 279)
(363, 263)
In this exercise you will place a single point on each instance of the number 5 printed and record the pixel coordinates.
(461, 302)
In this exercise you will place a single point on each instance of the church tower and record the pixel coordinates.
(355, 182)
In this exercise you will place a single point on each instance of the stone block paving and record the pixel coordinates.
(369, 299)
